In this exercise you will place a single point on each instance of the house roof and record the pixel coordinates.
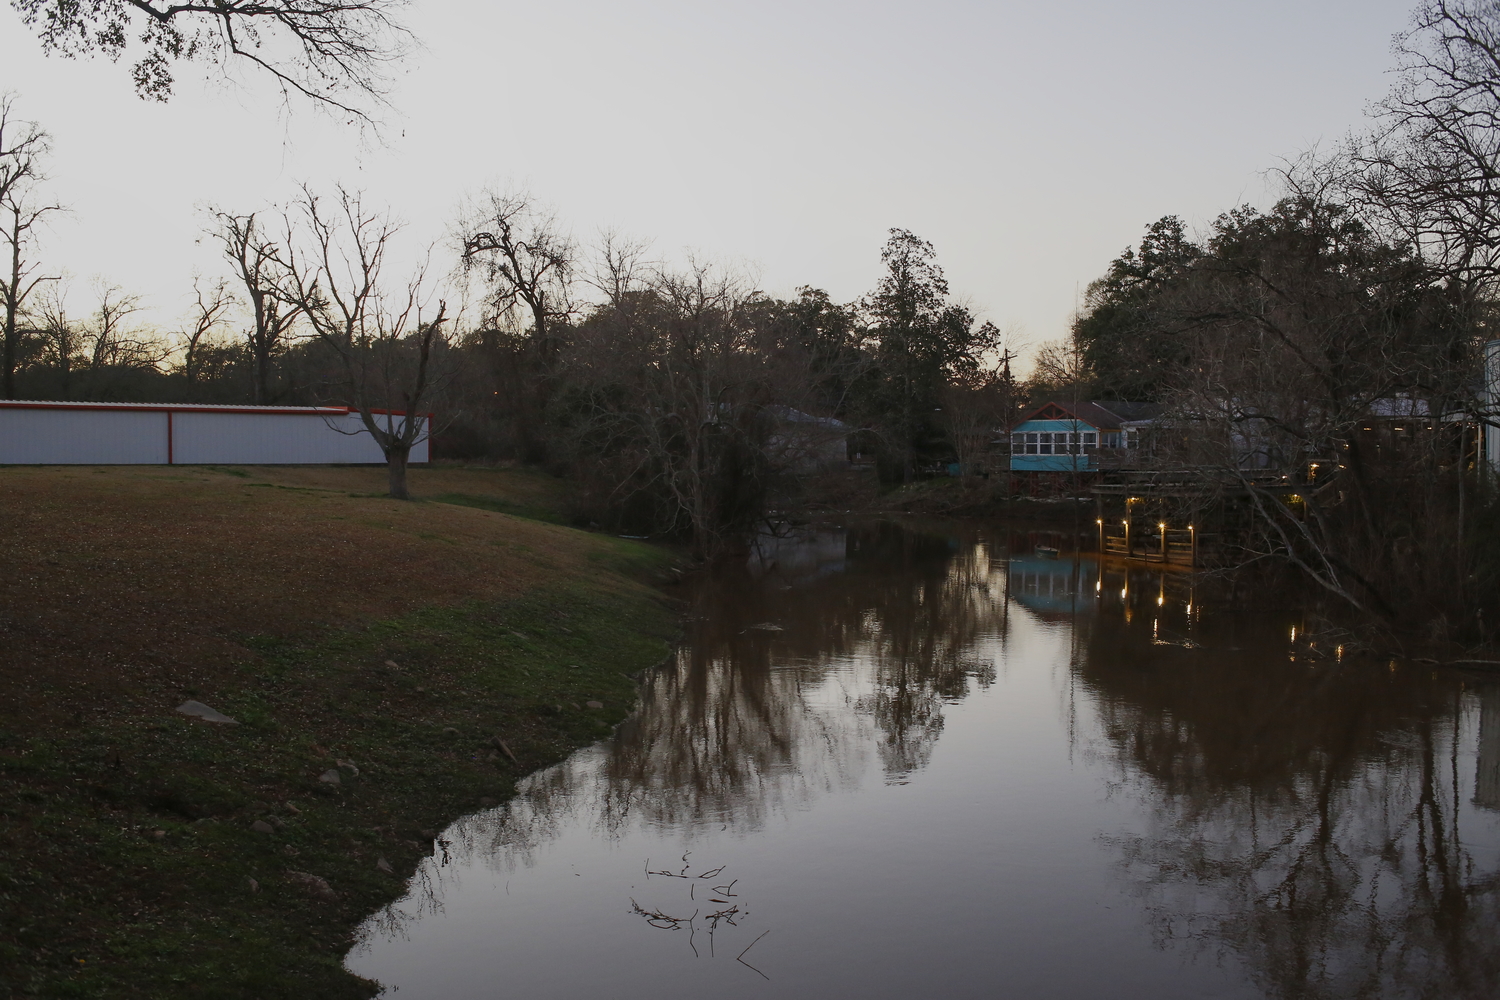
(1130, 412)
(1399, 406)
(795, 416)
(1104, 415)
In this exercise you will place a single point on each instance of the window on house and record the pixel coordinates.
(1044, 443)
(1031, 444)
(1090, 440)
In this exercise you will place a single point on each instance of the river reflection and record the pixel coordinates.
(896, 762)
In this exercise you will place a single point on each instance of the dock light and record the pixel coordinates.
(1160, 600)
(1162, 525)
(1294, 633)
(1098, 520)
(1098, 586)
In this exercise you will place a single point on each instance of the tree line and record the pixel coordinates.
(680, 397)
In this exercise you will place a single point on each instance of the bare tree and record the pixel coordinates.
(269, 288)
(62, 340)
(526, 263)
(526, 268)
(392, 352)
(23, 146)
(333, 52)
(976, 408)
(208, 314)
(113, 344)
(1431, 169)
(681, 409)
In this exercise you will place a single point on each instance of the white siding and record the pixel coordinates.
(272, 439)
(139, 435)
(82, 437)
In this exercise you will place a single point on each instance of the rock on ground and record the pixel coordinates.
(312, 884)
(198, 710)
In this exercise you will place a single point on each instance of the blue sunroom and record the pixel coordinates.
(1069, 437)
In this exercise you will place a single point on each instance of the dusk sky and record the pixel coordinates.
(1029, 143)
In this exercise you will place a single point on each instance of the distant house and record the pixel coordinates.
(806, 443)
(1079, 437)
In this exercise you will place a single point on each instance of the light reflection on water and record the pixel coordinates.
(895, 762)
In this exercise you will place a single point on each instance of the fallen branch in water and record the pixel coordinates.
(660, 920)
(740, 958)
(725, 915)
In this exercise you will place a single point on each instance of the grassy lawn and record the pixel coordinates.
(427, 654)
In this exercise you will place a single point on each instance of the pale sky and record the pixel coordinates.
(1030, 143)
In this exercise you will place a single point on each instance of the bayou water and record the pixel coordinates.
(894, 761)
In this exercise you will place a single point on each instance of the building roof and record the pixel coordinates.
(795, 416)
(52, 404)
(1130, 412)
(1399, 406)
(1102, 414)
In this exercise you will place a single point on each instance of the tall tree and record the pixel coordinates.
(827, 335)
(23, 146)
(269, 289)
(1125, 347)
(525, 265)
(921, 340)
(333, 52)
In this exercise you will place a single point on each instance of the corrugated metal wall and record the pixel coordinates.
(141, 434)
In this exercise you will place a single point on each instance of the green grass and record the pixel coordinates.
(94, 902)
(502, 506)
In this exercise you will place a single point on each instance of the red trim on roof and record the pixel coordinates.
(268, 411)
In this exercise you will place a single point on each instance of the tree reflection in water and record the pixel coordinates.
(1305, 818)
(1320, 824)
(825, 651)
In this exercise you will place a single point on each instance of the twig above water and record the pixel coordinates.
(740, 958)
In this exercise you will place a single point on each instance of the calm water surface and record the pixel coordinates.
(893, 762)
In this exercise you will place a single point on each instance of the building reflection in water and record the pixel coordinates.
(1297, 814)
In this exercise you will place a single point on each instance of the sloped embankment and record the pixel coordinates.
(390, 666)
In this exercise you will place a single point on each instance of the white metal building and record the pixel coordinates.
(43, 433)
